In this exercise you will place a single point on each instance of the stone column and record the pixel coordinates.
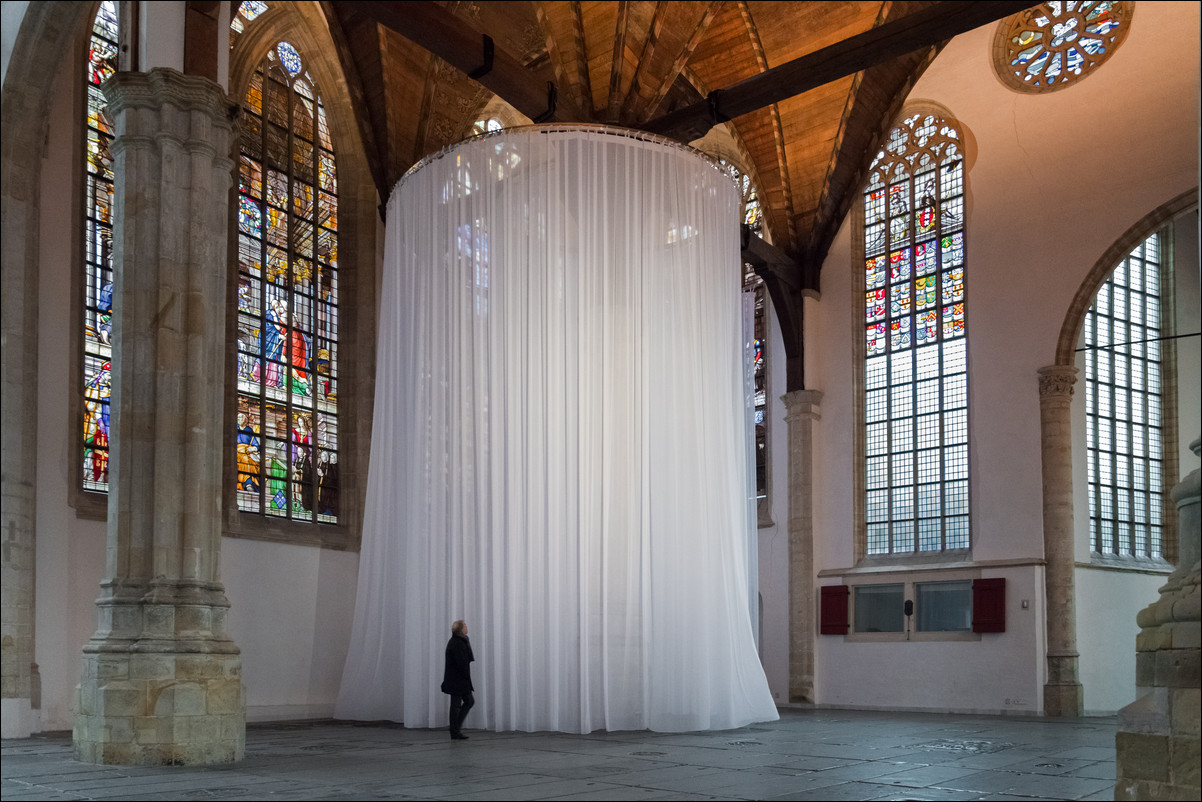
(161, 680)
(1157, 743)
(22, 156)
(1062, 694)
(801, 410)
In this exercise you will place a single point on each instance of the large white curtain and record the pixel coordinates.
(559, 443)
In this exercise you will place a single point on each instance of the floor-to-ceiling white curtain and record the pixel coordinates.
(559, 443)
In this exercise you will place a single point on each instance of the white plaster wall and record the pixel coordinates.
(70, 551)
(1107, 603)
(291, 611)
(1053, 180)
(992, 675)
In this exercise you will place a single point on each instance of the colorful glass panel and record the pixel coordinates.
(286, 435)
(98, 253)
(916, 376)
(753, 218)
(247, 11)
(1053, 44)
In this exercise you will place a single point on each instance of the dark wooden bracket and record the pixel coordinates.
(787, 282)
(549, 114)
(486, 67)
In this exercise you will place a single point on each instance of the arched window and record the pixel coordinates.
(288, 305)
(98, 254)
(915, 371)
(486, 126)
(247, 11)
(1124, 422)
(753, 217)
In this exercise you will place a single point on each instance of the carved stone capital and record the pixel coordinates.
(1056, 381)
(802, 403)
(162, 86)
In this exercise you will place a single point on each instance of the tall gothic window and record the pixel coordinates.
(753, 217)
(98, 254)
(915, 370)
(287, 372)
(1123, 390)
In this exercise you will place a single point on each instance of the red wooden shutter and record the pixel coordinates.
(989, 605)
(834, 609)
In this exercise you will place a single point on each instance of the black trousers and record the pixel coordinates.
(460, 706)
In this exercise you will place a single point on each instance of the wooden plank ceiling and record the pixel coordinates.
(632, 62)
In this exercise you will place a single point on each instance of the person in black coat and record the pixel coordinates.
(457, 677)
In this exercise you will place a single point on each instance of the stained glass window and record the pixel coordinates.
(98, 254)
(247, 11)
(1057, 43)
(916, 362)
(1123, 423)
(752, 283)
(486, 126)
(287, 422)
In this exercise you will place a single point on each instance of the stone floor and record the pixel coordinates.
(807, 754)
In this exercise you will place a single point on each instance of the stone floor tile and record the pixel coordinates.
(1045, 765)
(1102, 770)
(837, 793)
(923, 776)
(807, 754)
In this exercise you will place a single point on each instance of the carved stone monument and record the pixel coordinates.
(1156, 745)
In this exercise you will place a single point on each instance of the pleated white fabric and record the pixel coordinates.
(559, 443)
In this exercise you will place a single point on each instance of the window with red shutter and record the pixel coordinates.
(989, 605)
(833, 610)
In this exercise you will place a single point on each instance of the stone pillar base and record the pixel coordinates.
(1063, 700)
(1157, 746)
(802, 691)
(160, 708)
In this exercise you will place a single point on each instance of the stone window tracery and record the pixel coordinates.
(287, 426)
(1058, 43)
(915, 366)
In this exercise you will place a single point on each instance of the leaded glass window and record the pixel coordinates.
(98, 254)
(753, 217)
(1123, 391)
(1055, 44)
(916, 365)
(288, 305)
(487, 126)
(247, 11)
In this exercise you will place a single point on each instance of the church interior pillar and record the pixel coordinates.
(1062, 694)
(801, 410)
(161, 680)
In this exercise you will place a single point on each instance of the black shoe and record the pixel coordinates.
(458, 736)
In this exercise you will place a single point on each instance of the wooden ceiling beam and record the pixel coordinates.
(442, 33)
(922, 29)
